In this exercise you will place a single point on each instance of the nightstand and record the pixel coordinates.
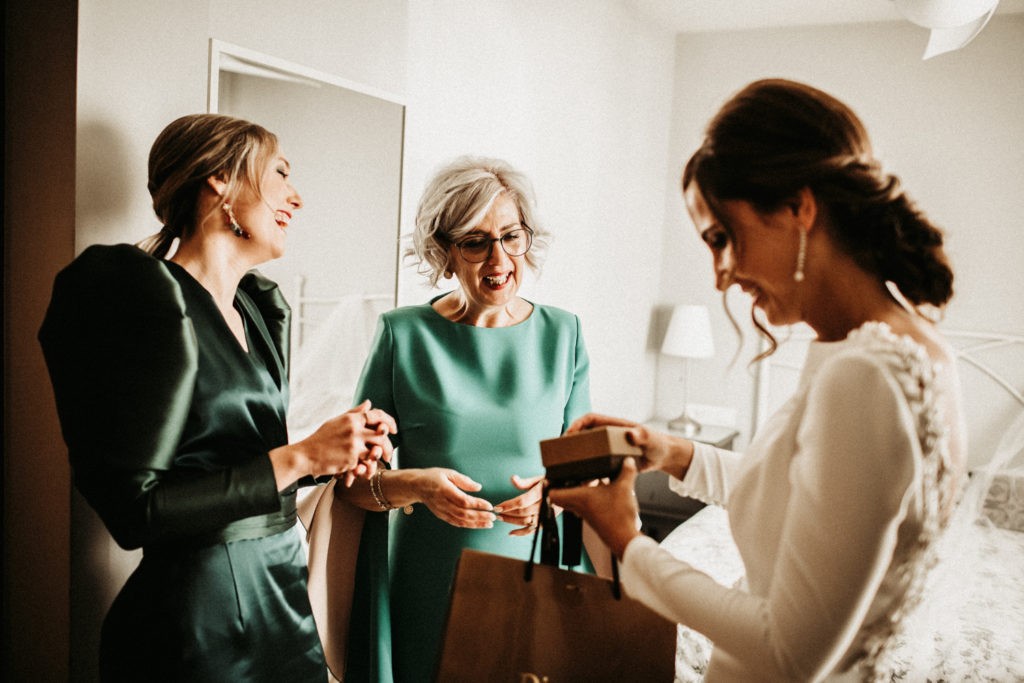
(661, 509)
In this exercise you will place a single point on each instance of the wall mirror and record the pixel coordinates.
(340, 270)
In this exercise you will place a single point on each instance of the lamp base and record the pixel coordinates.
(685, 424)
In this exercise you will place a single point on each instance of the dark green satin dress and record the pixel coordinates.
(168, 421)
(478, 400)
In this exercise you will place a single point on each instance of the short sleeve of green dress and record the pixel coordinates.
(168, 421)
(477, 400)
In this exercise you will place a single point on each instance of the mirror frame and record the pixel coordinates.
(224, 54)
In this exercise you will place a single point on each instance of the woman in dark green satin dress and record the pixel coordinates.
(476, 378)
(171, 380)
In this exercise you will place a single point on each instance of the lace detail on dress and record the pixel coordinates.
(915, 552)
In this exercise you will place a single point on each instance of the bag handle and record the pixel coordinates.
(550, 546)
(550, 536)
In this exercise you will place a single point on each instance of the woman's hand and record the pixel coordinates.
(443, 491)
(349, 444)
(523, 509)
(670, 454)
(610, 509)
(593, 420)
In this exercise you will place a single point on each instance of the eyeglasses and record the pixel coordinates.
(477, 249)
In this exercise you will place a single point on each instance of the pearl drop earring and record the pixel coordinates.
(801, 258)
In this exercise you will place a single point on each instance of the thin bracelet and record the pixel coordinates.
(377, 489)
(378, 492)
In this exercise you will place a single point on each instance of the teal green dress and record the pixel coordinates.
(477, 400)
(168, 422)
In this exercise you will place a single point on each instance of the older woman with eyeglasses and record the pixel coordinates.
(475, 379)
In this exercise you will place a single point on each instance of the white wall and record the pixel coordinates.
(576, 95)
(952, 127)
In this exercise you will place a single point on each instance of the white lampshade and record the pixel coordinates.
(689, 333)
(944, 13)
(953, 23)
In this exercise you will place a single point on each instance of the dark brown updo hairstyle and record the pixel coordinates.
(190, 150)
(775, 137)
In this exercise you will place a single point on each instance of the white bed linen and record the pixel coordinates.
(970, 626)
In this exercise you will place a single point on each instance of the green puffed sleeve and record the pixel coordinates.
(122, 356)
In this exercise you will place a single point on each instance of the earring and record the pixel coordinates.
(233, 224)
(801, 258)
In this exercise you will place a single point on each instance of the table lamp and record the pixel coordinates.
(688, 336)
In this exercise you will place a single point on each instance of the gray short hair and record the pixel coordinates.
(456, 200)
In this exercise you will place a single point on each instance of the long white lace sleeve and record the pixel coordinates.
(850, 485)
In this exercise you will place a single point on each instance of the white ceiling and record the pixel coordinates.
(689, 16)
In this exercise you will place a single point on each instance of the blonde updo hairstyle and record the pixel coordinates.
(190, 150)
(457, 199)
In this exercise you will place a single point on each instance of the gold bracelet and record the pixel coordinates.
(378, 491)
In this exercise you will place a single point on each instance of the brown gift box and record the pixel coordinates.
(590, 454)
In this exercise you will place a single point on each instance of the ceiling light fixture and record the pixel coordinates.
(953, 23)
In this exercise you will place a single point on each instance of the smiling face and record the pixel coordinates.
(752, 249)
(494, 282)
(266, 217)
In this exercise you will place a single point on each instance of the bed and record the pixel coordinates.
(970, 626)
